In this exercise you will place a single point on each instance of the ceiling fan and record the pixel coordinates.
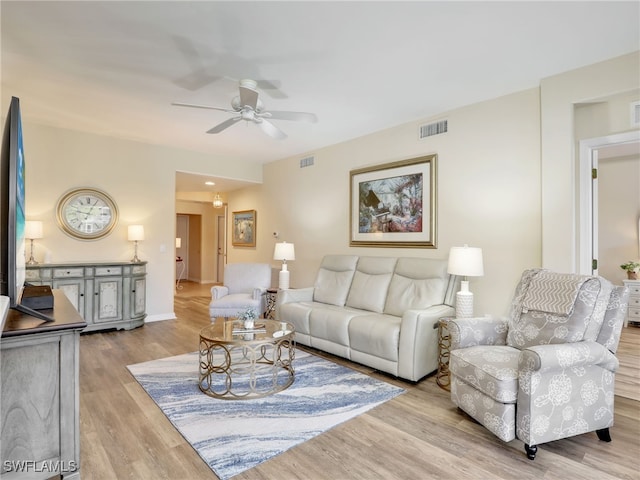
(249, 107)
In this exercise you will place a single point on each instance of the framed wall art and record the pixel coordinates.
(244, 228)
(394, 205)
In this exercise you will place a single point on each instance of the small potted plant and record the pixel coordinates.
(632, 269)
(248, 317)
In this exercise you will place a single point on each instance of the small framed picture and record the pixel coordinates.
(244, 228)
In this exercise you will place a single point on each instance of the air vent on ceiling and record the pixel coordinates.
(306, 162)
(433, 129)
(635, 114)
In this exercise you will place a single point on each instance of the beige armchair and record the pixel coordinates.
(245, 285)
(547, 371)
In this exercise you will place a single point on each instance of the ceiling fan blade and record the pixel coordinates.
(226, 124)
(178, 104)
(271, 130)
(272, 87)
(294, 116)
(248, 97)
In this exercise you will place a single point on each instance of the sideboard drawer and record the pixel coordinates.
(634, 313)
(138, 269)
(32, 275)
(634, 290)
(634, 302)
(107, 271)
(68, 272)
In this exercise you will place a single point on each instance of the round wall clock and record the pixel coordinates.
(86, 213)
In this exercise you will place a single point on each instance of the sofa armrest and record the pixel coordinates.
(218, 291)
(295, 295)
(292, 296)
(258, 292)
(469, 332)
(558, 356)
(418, 345)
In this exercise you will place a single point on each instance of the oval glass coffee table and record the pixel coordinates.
(238, 363)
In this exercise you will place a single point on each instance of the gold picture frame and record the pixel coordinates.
(243, 228)
(394, 204)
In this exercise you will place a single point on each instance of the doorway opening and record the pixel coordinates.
(608, 212)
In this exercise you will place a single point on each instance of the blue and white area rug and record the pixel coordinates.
(233, 436)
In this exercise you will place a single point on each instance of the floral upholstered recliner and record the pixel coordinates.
(546, 372)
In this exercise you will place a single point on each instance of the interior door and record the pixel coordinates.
(221, 256)
(182, 232)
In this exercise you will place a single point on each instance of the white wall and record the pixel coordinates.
(488, 195)
(139, 177)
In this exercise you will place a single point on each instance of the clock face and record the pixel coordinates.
(87, 213)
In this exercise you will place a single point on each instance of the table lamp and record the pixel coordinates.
(135, 234)
(466, 262)
(32, 231)
(284, 251)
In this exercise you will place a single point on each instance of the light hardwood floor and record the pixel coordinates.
(418, 435)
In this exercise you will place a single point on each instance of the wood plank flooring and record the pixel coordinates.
(418, 435)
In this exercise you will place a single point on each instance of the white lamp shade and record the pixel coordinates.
(465, 261)
(178, 242)
(33, 229)
(284, 251)
(136, 233)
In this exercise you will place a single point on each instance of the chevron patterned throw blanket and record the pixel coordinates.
(553, 292)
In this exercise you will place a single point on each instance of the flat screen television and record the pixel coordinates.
(13, 213)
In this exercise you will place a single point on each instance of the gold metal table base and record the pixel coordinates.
(247, 365)
(443, 378)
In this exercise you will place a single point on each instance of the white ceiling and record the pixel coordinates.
(114, 68)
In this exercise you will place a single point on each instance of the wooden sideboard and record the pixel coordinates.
(40, 394)
(107, 295)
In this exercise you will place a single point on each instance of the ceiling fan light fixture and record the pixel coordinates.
(248, 107)
(217, 201)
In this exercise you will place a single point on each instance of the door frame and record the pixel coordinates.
(221, 244)
(588, 195)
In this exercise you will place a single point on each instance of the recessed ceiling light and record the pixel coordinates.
(209, 183)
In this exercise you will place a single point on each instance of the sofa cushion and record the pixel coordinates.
(492, 369)
(297, 314)
(334, 279)
(370, 283)
(416, 284)
(376, 335)
(329, 323)
(232, 305)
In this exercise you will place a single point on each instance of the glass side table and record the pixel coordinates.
(444, 344)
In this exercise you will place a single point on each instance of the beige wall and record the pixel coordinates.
(618, 214)
(488, 195)
(139, 177)
(499, 188)
(560, 190)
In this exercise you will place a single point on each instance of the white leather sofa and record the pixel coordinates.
(378, 311)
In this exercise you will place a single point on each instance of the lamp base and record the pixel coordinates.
(464, 301)
(283, 279)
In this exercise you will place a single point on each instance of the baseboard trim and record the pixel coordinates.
(159, 317)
